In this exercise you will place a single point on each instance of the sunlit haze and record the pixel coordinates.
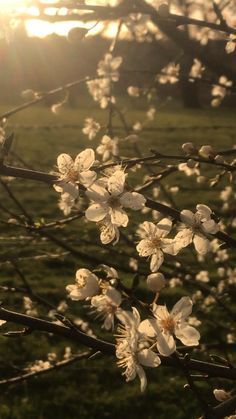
(43, 28)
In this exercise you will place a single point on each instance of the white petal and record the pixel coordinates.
(204, 211)
(64, 163)
(116, 62)
(74, 292)
(165, 344)
(210, 227)
(149, 229)
(133, 200)
(188, 335)
(163, 227)
(142, 377)
(114, 295)
(128, 318)
(161, 313)
(148, 358)
(97, 192)
(144, 248)
(183, 238)
(149, 327)
(170, 246)
(87, 178)
(85, 160)
(156, 261)
(109, 232)
(119, 217)
(201, 243)
(116, 183)
(187, 217)
(182, 309)
(96, 212)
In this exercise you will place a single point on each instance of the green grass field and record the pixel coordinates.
(93, 389)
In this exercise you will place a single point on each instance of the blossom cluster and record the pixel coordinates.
(138, 343)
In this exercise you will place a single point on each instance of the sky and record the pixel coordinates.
(42, 28)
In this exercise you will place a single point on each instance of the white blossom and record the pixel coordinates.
(164, 326)
(231, 44)
(151, 113)
(203, 276)
(86, 286)
(154, 242)
(169, 74)
(196, 69)
(199, 226)
(108, 67)
(75, 172)
(109, 199)
(108, 147)
(91, 128)
(188, 171)
(106, 306)
(66, 203)
(133, 91)
(132, 349)
(219, 91)
(100, 88)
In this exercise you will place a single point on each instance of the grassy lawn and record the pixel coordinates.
(93, 389)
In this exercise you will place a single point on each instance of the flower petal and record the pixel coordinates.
(188, 335)
(183, 238)
(97, 192)
(142, 377)
(119, 217)
(187, 217)
(160, 312)
(87, 178)
(149, 327)
(148, 358)
(165, 344)
(96, 212)
(116, 183)
(204, 211)
(182, 309)
(85, 160)
(156, 260)
(133, 200)
(210, 227)
(144, 248)
(64, 163)
(201, 244)
(163, 227)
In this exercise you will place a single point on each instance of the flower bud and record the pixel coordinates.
(201, 179)
(188, 148)
(191, 163)
(156, 282)
(206, 151)
(76, 34)
(219, 159)
(28, 94)
(163, 10)
(133, 91)
(221, 395)
(216, 102)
